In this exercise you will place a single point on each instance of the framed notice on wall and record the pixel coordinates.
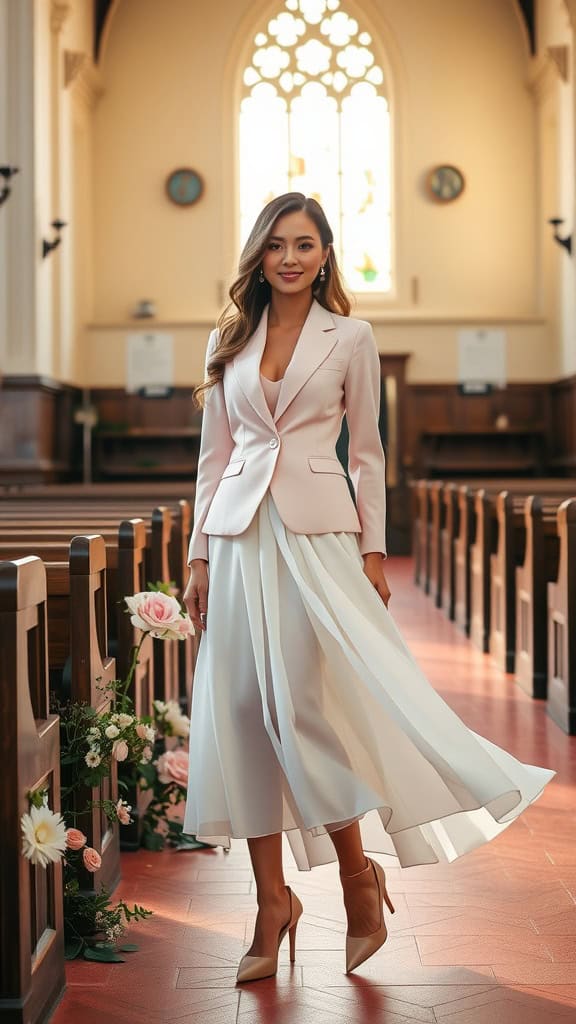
(481, 358)
(149, 361)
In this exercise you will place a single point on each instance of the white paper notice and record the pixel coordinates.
(482, 356)
(149, 360)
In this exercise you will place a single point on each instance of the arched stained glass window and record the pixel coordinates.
(314, 118)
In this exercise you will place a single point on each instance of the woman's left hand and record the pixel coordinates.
(374, 569)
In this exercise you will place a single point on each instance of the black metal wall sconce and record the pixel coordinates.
(48, 246)
(567, 240)
(6, 172)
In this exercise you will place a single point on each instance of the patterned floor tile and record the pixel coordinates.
(438, 950)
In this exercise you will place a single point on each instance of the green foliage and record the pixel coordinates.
(92, 923)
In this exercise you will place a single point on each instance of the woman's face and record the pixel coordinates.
(293, 254)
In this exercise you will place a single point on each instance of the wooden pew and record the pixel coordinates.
(448, 534)
(126, 565)
(79, 670)
(471, 561)
(462, 550)
(437, 524)
(510, 555)
(32, 949)
(485, 545)
(126, 559)
(167, 560)
(540, 567)
(166, 663)
(154, 491)
(421, 534)
(156, 567)
(561, 705)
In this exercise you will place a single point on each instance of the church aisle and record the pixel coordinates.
(490, 939)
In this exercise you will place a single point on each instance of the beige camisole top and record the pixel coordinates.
(271, 389)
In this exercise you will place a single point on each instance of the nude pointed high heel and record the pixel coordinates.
(252, 968)
(359, 948)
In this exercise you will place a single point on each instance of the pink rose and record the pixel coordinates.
(159, 614)
(75, 839)
(92, 859)
(120, 750)
(123, 812)
(173, 767)
(141, 731)
(184, 627)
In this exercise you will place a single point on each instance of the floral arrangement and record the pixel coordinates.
(45, 840)
(166, 778)
(90, 744)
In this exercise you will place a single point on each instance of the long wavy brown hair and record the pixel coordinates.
(249, 296)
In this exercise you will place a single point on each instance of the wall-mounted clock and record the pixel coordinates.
(184, 186)
(445, 183)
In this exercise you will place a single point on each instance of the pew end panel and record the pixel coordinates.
(186, 650)
(421, 534)
(561, 704)
(32, 977)
(510, 551)
(539, 568)
(483, 546)
(464, 541)
(437, 524)
(448, 549)
(92, 670)
(131, 579)
(166, 686)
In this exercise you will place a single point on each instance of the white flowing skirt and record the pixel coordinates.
(309, 712)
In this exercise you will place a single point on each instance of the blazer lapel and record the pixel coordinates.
(247, 369)
(317, 337)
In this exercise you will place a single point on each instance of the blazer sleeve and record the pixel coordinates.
(216, 445)
(366, 460)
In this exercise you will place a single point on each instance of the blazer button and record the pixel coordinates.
(273, 442)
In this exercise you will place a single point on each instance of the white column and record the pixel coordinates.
(19, 256)
(570, 275)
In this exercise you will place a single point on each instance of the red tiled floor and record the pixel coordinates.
(490, 939)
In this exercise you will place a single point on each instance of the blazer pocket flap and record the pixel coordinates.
(233, 468)
(333, 364)
(325, 464)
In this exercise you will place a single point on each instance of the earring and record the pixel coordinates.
(322, 273)
(261, 276)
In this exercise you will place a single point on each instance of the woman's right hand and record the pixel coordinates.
(195, 596)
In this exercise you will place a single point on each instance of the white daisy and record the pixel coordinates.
(92, 759)
(43, 836)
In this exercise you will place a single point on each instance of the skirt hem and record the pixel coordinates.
(221, 830)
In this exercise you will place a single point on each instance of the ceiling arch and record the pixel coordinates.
(528, 13)
(103, 12)
(104, 9)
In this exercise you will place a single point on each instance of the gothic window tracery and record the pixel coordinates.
(314, 118)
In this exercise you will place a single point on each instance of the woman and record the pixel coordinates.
(309, 714)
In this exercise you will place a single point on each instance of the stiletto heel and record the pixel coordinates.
(359, 948)
(253, 968)
(292, 937)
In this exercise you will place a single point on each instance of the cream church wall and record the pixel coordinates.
(459, 73)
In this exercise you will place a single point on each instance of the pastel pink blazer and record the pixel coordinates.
(244, 450)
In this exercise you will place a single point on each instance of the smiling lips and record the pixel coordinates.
(290, 275)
